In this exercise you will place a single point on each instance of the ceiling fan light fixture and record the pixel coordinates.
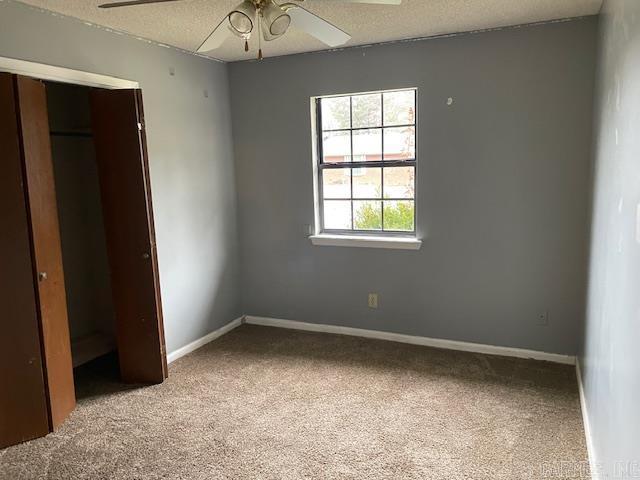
(241, 18)
(275, 19)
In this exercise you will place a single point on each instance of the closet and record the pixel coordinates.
(78, 264)
(84, 250)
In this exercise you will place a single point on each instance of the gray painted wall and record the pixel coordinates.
(611, 359)
(190, 151)
(503, 188)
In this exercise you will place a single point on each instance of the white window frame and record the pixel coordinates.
(355, 238)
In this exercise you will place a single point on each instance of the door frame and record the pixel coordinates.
(64, 75)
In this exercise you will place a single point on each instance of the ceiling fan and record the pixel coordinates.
(270, 19)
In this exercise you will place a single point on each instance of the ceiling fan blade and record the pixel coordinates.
(133, 2)
(304, 20)
(215, 38)
(379, 2)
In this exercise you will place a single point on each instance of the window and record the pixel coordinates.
(367, 163)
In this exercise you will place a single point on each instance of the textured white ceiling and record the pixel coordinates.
(185, 24)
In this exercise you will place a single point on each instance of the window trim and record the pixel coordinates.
(319, 166)
(367, 241)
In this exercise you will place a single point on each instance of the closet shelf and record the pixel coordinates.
(84, 349)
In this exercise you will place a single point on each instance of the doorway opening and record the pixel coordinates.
(90, 309)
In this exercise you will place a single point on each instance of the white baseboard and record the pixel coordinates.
(414, 340)
(375, 334)
(593, 465)
(209, 337)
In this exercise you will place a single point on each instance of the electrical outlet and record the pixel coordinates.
(373, 300)
(543, 318)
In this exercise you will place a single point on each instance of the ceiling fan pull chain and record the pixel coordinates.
(246, 45)
(258, 17)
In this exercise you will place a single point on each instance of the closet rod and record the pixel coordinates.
(70, 134)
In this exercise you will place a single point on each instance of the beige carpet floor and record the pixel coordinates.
(263, 403)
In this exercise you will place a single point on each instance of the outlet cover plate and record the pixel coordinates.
(373, 300)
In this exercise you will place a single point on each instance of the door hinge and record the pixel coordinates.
(140, 126)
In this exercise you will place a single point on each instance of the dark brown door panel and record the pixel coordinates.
(23, 404)
(46, 247)
(118, 128)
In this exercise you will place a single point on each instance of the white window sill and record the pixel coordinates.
(398, 243)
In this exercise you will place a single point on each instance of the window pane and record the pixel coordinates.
(337, 214)
(399, 215)
(400, 143)
(366, 110)
(336, 147)
(335, 113)
(336, 183)
(367, 182)
(399, 182)
(367, 215)
(399, 107)
(367, 145)
(368, 127)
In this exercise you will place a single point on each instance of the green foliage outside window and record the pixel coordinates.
(397, 216)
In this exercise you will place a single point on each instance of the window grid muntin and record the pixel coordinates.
(322, 165)
(350, 171)
(382, 158)
(332, 130)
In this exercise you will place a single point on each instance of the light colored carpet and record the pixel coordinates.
(263, 403)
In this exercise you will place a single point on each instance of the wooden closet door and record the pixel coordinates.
(23, 402)
(121, 152)
(46, 248)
